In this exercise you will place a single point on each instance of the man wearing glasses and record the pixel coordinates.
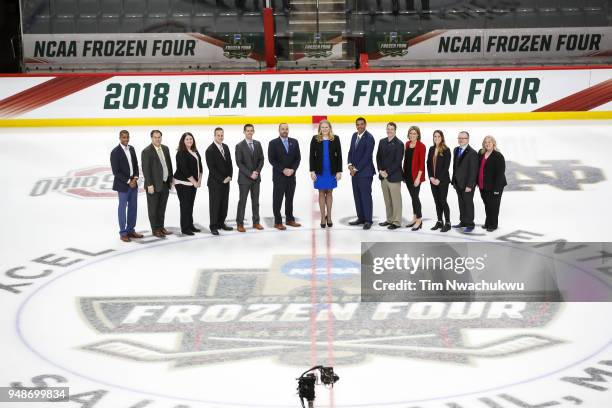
(465, 171)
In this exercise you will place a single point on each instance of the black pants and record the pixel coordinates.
(466, 207)
(440, 192)
(414, 195)
(245, 189)
(186, 196)
(156, 206)
(218, 200)
(283, 189)
(491, 203)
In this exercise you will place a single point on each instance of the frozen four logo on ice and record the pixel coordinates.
(231, 312)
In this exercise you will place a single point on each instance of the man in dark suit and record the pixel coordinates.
(465, 172)
(157, 171)
(284, 156)
(124, 164)
(250, 161)
(362, 171)
(220, 170)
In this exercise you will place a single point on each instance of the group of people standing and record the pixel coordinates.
(396, 162)
(399, 163)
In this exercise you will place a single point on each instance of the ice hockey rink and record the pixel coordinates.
(232, 321)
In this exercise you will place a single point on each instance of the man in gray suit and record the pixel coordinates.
(250, 160)
(157, 171)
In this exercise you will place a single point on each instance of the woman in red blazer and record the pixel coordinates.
(414, 173)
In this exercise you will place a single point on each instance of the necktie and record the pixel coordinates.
(286, 144)
(461, 149)
(357, 141)
(222, 150)
(162, 159)
(251, 147)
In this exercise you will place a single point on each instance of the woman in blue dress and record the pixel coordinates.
(325, 168)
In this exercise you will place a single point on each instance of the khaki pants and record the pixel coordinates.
(392, 193)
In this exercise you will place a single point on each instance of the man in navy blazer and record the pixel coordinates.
(124, 164)
(284, 156)
(361, 167)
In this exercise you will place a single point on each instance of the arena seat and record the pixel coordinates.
(182, 7)
(111, 7)
(89, 7)
(158, 7)
(87, 24)
(109, 24)
(63, 25)
(136, 8)
(132, 24)
(41, 24)
(64, 8)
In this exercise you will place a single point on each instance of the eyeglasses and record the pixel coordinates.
(461, 138)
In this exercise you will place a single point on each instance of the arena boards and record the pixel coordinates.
(231, 321)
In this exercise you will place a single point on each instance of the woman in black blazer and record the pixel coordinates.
(325, 168)
(187, 179)
(438, 162)
(491, 180)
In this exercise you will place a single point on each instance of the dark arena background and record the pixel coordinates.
(95, 317)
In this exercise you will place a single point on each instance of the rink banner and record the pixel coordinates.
(111, 51)
(557, 271)
(104, 99)
(492, 44)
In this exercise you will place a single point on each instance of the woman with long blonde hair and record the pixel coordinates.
(325, 168)
(491, 180)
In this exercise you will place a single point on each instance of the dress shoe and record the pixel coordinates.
(226, 227)
(418, 227)
(329, 223)
(460, 225)
(411, 224)
(356, 222)
(240, 228)
(194, 229)
(367, 225)
(446, 227)
(491, 229)
(134, 235)
(280, 227)
(393, 226)
(258, 226)
(214, 231)
(437, 226)
(323, 225)
(484, 226)
(125, 238)
(384, 224)
(293, 224)
(158, 234)
(166, 232)
(467, 230)
(187, 232)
